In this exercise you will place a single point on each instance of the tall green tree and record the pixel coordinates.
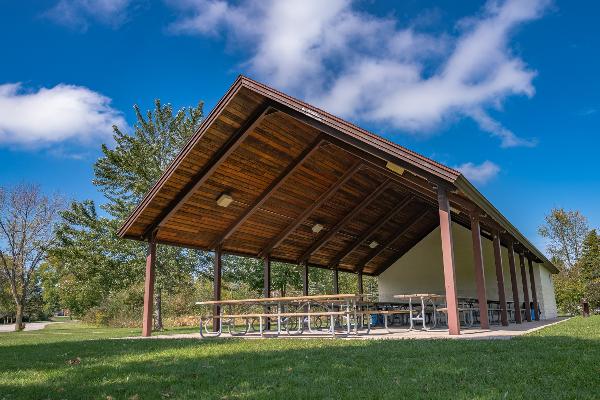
(588, 268)
(90, 260)
(93, 261)
(285, 277)
(6, 299)
(589, 263)
(127, 171)
(565, 232)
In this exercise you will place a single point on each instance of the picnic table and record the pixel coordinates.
(421, 314)
(290, 312)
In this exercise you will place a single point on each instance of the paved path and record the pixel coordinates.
(496, 332)
(30, 326)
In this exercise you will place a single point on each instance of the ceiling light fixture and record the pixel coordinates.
(317, 228)
(373, 244)
(224, 200)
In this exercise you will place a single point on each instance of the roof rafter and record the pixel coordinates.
(211, 166)
(372, 229)
(307, 212)
(347, 218)
(391, 239)
(276, 184)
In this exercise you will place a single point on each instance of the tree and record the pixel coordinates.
(250, 271)
(89, 253)
(27, 219)
(588, 269)
(6, 300)
(569, 291)
(581, 281)
(589, 263)
(565, 232)
(286, 278)
(49, 281)
(127, 172)
(90, 260)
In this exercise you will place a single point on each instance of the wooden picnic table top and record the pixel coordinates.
(281, 299)
(419, 295)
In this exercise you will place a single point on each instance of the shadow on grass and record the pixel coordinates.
(527, 367)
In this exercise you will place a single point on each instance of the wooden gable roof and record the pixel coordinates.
(289, 166)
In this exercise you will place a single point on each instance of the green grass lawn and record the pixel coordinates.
(73, 361)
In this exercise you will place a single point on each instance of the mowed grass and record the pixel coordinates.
(73, 361)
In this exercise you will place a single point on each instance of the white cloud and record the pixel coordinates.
(588, 111)
(481, 173)
(368, 68)
(507, 137)
(76, 14)
(52, 115)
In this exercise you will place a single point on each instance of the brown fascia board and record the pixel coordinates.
(474, 195)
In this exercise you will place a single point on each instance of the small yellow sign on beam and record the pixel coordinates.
(394, 167)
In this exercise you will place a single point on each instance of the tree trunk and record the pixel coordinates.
(158, 322)
(19, 325)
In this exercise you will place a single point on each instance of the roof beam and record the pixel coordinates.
(211, 166)
(307, 212)
(276, 184)
(393, 237)
(422, 189)
(347, 218)
(420, 186)
(405, 160)
(372, 229)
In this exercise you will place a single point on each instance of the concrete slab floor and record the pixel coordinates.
(496, 332)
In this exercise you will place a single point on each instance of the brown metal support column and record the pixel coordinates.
(536, 310)
(267, 277)
(336, 280)
(448, 261)
(305, 280)
(267, 285)
(525, 288)
(149, 288)
(479, 272)
(500, 280)
(360, 282)
(513, 281)
(217, 286)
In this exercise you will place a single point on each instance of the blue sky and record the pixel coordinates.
(506, 91)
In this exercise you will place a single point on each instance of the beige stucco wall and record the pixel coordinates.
(420, 271)
(545, 292)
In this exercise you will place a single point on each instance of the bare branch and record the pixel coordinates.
(27, 219)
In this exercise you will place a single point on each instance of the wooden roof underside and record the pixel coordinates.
(286, 173)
